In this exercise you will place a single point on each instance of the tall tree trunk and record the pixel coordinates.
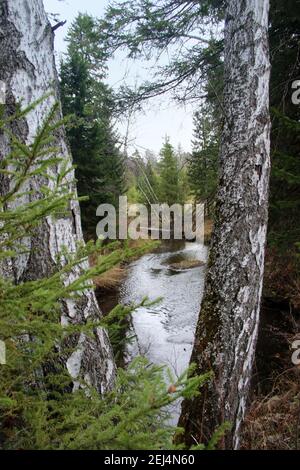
(28, 70)
(227, 328)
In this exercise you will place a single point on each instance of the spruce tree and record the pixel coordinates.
(41, 405)
(203, 162)
(170, 191)
(93, 142)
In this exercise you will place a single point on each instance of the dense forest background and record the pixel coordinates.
(175, 175)
(48, 308)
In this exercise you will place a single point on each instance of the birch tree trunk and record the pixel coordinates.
(228, 323)
(28, 69)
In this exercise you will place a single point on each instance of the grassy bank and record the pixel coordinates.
(112, 278)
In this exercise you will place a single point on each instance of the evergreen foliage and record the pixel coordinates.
(156, 181)
(147, 28)
(84, 39)
(284, 215)
(99, 162)
(170, 188)
(203, 162)
(195, 71)
(40, 406)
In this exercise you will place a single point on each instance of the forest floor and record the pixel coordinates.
(273, 418)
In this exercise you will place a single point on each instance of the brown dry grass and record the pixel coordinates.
(111, 279)
(273, 421)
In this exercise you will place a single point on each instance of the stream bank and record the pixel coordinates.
(272, 421)
(165, 334)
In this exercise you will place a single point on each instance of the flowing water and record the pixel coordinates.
(165, 331)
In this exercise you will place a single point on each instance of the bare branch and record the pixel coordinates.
(58, 25)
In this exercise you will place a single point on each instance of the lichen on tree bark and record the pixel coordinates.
(227, 328)
(28, 70)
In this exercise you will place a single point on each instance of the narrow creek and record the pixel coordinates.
(164, 332)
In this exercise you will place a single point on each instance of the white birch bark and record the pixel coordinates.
(28, 70)
(227, 328)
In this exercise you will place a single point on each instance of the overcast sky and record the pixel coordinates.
(161, 116)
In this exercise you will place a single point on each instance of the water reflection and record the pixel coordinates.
(165, 331)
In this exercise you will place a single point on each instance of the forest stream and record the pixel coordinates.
(164, 332)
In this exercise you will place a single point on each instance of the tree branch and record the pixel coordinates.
(58, 25)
